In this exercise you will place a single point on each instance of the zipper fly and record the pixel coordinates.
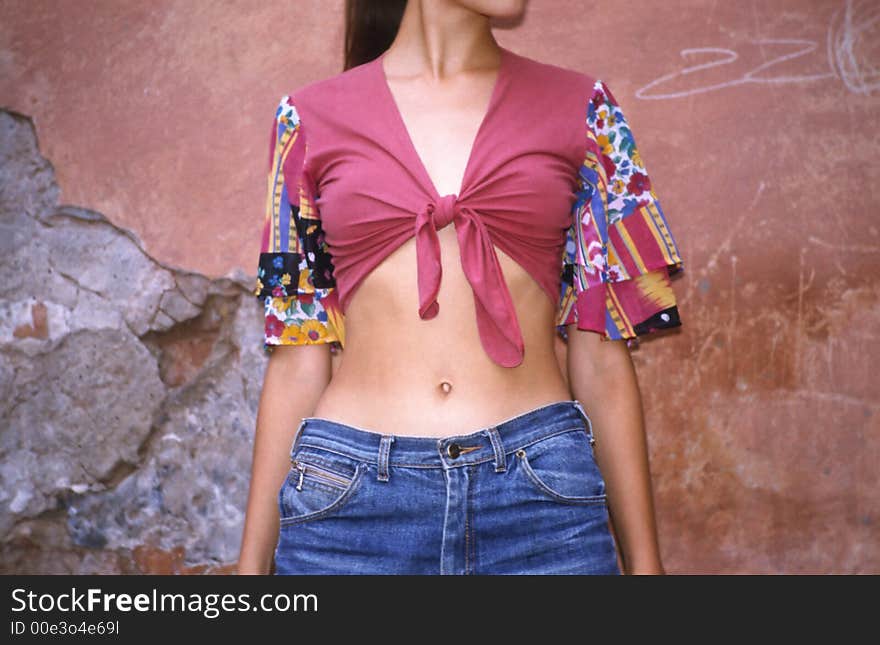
(320, 473)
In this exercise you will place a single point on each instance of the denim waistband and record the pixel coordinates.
(491, 442)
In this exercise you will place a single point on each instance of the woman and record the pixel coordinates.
(443, 168)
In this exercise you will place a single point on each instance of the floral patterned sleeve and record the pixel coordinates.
(619, 252)
(295, 279)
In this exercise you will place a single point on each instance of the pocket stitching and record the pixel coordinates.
(343, 497)
(304, 445)
(318, 465)
(543, 487)
(579, 428)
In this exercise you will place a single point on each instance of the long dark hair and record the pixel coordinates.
(370, 27)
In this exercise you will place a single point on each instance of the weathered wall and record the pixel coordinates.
(129, 390)
(129, 380)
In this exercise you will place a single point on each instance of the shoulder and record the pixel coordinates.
(330, 94)
(590, 92)
(553, 78)
(557, 89)
(556, 74)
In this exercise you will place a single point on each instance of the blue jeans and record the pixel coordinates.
(524, 496)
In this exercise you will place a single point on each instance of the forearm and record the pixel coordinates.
(607, 386)
(286, 398)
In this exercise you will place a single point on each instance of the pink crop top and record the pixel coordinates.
(553, 179)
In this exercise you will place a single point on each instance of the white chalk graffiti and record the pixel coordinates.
(852, 31)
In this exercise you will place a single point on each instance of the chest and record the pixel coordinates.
(508, 153)
(440, 124)
(509, 175)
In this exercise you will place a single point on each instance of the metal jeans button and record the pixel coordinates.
(453, 450)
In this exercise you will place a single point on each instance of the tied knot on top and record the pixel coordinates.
(496, 317)
(434, 216)
(443, 212)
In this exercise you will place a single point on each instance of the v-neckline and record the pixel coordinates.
(402, 132)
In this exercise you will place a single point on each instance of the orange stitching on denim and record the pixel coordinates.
(541, 485)
(467, 507)
(466, 539)
(342, 499)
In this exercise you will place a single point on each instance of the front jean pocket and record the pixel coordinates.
(563, 467)
(320, 482)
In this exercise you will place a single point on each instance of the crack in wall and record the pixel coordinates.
(98, 466)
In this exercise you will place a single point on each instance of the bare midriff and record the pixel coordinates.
(402, 375)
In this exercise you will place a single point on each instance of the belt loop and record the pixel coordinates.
(384, 449)
(586, 417)
(498, 447)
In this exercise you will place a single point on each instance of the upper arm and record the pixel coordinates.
(295, 279)
(619, 252)
(309, 366)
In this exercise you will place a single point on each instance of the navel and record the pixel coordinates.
(445, 386)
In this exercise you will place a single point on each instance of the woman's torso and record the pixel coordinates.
(390, 377)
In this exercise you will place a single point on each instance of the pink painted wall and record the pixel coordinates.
(762, 414)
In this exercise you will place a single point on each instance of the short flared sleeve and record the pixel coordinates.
(295, 279)
(619, 251)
